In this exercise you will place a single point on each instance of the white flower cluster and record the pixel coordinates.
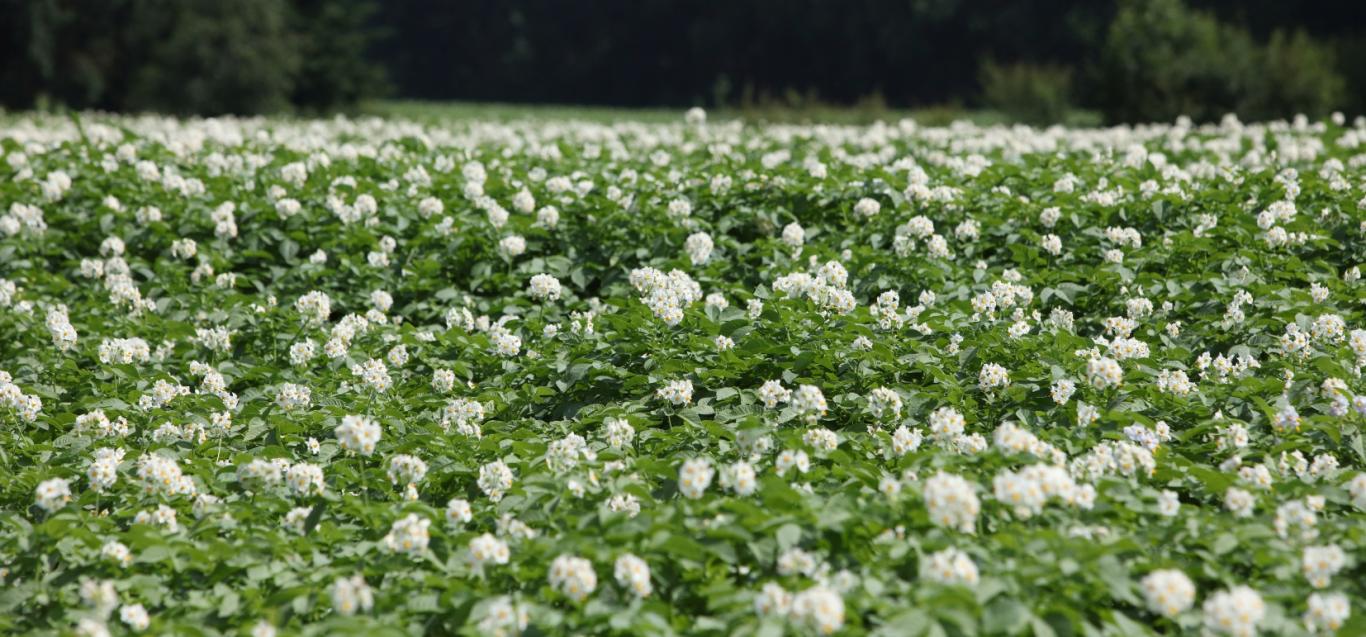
(676, 392)
(1168, 592)
(408, 535)
(633, 574)
(27, 406)
(952, 502)
(1235, 611)
(1110, 337)
(827, 288)
(667, 295)
(950, 566)
(573, 577)
(351, 595)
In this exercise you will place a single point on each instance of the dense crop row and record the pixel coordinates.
(276, 377)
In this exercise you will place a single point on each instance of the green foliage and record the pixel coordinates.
(1031, 93)
(1162, 59)
(1135, 60)
(1298, 75)
(334, 45)
(1111, 337)
(210, 57)
(192, 57)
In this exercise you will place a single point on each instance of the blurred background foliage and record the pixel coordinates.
(1036, 61)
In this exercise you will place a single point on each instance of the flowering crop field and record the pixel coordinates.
(276, 377)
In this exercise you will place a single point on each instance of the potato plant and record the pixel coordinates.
(368, 376)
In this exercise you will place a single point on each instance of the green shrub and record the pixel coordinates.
(1298, 76)
(1036, 94)
(334, 39)
(192, 56)
(212, 58)
(1162, 59)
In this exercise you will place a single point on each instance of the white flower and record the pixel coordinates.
(305, 479)
(820, 608)
(1286, 419)
(406, 469)
(633, 574)
(352, 595)
(408, 535)
(772, 600)
(99, 595)
(699, 247)
(679, 208)
(993, 377)
(465, 414)
(1235, 611)
(946, 424)
(135, 617)
(523, 201)
(117, 553)
(573, 577)
(374, 374)
(1168, 503)
(1062, 390)
(512, 246)
(1327, 612)
(772, 393)
(302, 352)
(619, 432)
(1052, 244)
(821, 439)
(443, 380)
(1321, 563)
(358, 434)
(315, 306)
(487, 549)
(503, 619)
(458, 512)
(545, 287)
(809, 402)
(1104, 373)
(950, 566)
(795, 561)
(548, 216)
(1168, 592)
(739, 477)
(624, 503)
(677, 392)
(790, 459)
(1356, 487)
(91, 627)
(291, 397)
(694, 477)
(52, 494)
(495, 478)
(905, 440)
(1239, 502)
(884, 402)
(297, 519)
(867, 207)
(952, 502)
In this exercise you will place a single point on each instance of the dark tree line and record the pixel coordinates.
(188, 56)
(671, 52)
(1130, 59)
